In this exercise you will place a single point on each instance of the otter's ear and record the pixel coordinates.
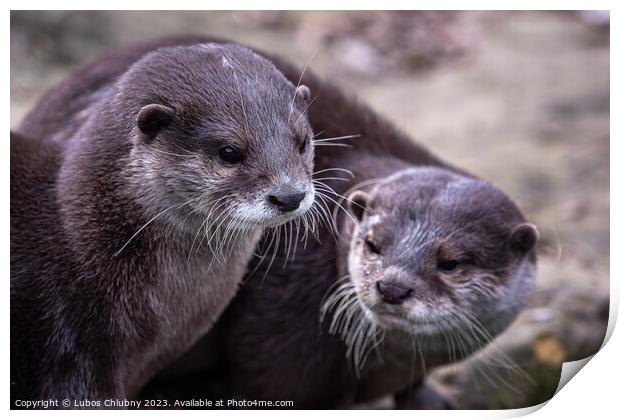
(524, 237)
(152, 118)
(303, 92)
(357, 203)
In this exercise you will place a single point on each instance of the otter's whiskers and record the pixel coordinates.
(359, 332)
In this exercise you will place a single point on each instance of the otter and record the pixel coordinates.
(132, 224)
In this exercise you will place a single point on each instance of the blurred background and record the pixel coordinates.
(519, 98)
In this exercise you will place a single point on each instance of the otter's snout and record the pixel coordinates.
(393, 292)
(287, 199)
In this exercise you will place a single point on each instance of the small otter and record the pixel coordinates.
(131, 232)
(438, 264)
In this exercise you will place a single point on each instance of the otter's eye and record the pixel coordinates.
(371, 247)
(230, 155)
(302, 148)
(447, 266)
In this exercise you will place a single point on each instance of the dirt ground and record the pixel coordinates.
(519, 98)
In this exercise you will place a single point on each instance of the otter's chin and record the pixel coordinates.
(252, 216)
(399, 322)
(402, 321)
(268, 222)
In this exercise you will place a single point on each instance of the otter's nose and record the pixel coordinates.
(287, 201)
(392, 292)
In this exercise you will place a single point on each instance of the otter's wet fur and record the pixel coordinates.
(110, 201)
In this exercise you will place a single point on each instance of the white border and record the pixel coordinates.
(592, 394)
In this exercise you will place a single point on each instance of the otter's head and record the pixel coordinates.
(219, 136)
(434, 251)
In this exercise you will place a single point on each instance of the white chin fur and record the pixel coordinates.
(420, 326)
(406, 325)
(260, 216)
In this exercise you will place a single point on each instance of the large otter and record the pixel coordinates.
(131, 232)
